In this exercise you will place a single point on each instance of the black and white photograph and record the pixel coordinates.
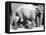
(25, 16)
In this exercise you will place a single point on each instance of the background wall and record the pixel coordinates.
(2, 17)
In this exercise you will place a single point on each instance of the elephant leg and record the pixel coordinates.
(33, 22)
(38, 21)
(13, 22)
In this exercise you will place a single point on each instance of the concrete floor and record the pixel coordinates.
(23, 29)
